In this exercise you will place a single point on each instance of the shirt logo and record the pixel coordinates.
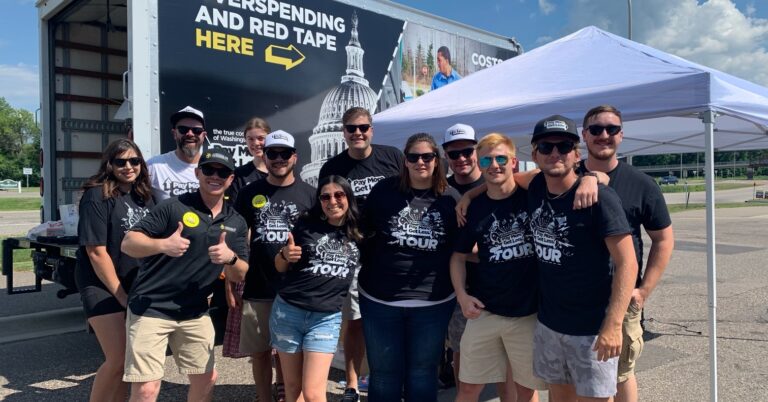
(275, 221)
(417, 228)
(362, 187)
(333, 258)
(507, 238)
(259, 201)
(550, 234)
(190, 219)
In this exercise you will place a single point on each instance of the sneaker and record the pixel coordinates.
(350, 395)
(362, 383)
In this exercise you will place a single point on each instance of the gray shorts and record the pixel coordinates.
(569, 359)
(350, 310)
(456, 328)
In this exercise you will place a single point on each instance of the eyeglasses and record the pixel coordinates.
(563, 147)
(185, 129)
(284, 154)
(486, 161)
(427, 157)
(466, 153)
(338, 196)
(209, 170)
(597, 129)
(351, 128)
(120, 162)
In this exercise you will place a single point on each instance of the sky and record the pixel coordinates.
(728, 35)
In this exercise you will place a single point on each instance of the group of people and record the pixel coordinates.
(531, 277)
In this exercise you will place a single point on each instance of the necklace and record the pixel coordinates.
(564, 193)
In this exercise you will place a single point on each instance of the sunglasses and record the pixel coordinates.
(184, 130)
(120, 162)
(427, 157)
(597, 129)
(466, 153)
(209, 170)
(351, 128)
(284, 154)
(486, 161)
(338, 196)
(563, 147)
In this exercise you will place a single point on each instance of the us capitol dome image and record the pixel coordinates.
(327, 138)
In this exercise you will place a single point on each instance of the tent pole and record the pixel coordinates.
(708, 118)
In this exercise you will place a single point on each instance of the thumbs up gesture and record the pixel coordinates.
(220, 253)
(291, 251)
(175, 245)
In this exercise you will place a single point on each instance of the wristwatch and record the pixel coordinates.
(233, 260)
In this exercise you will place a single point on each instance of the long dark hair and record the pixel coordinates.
(439, 183)
(105, 177)
(351, 217)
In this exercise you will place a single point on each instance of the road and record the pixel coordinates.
(721, 196)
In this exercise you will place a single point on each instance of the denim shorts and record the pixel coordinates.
(293, 329)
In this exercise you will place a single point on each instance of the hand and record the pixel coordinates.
(461, 210)
(638, 298)
(608, 342)
(471, 307)
(291, 251)
(219, 253)
(586, 193)
(175, 245)
(234, 299)
(121, 297)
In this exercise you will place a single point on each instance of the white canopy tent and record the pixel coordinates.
(668, 104)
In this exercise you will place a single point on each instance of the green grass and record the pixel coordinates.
(22, 260)
(681, 207)
(695, 187)
(20, 204)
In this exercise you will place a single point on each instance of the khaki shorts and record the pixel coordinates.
(631, 344)
(490, 342)
(254, 327)
(191, 342)
(350, 310)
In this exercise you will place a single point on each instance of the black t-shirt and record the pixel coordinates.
(575, 271)
(320, 280)
(384, 161)
(270, 212)
(506, 279)
(463, 188)
(104, 222)
(244, 175)
(178, 287)
(643, 204)
(407, 257)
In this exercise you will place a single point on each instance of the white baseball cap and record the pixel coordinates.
(190, 112)
(279, 138)
(459, 132)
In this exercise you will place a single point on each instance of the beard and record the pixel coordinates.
(189, 149)
(603, 155)
(275, 171)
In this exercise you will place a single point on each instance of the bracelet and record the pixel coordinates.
(233, 260)
(282, 255)
(593, 174)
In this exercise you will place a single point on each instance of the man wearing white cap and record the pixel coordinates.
(270, 207)
(173, 173)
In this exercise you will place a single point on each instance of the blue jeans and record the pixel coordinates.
(293, 329)
(404, 347)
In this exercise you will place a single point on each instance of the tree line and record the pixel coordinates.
(19, 143)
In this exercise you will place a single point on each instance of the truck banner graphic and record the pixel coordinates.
(299, 65)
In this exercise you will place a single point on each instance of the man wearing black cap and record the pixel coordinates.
(186, 242)
(587, 270)
(173, 173)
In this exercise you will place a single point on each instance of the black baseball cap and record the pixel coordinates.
(555, 125)
(190, 112)
(218, 155)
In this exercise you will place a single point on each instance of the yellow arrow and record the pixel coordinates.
(288, 62)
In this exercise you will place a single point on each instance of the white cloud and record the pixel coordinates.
(714, 33)
(546, 7)
(542, 40)
(19, 85)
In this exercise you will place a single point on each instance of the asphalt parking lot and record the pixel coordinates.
(674, 366)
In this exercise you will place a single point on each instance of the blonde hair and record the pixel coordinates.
(494, 139)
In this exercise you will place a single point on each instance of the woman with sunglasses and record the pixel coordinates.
(115, 198)
(319, 262)
(406, 296)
